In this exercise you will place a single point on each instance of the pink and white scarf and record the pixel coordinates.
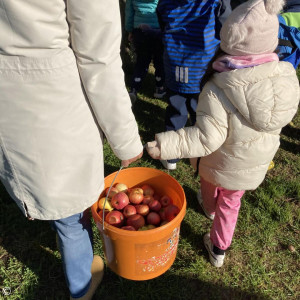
(229, 62)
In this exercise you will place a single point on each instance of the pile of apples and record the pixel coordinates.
(138, 208)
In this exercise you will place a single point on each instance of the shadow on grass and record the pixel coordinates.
(169, 286)
(29, 244)
(32, 244)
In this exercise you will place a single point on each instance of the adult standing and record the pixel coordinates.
(62, 87)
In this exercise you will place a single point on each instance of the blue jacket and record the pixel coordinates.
(191, 36)
(140, 12)
(289, 34)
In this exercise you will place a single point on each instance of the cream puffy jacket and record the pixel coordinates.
(61, 87)
(239, 117)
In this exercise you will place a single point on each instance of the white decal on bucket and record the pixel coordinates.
(153, 263)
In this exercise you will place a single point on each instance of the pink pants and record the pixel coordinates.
(225, 204)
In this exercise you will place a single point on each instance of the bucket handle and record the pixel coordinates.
(144, 146)
(108, 194)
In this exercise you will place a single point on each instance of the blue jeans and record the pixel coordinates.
(180, 106)
(75, 243)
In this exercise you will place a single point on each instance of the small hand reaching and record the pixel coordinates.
(144, 27)
(153, 149)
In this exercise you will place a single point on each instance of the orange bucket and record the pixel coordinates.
(142, 255)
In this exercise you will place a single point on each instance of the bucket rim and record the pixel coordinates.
(123, 232)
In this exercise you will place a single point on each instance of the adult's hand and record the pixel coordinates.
(127, 162)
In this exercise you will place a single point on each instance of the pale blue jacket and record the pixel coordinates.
(140, 12)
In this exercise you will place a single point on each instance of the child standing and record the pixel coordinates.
(240, 113)
(191, 36)
(143, 27)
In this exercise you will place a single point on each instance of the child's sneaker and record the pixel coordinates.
(216, 260)
(200, 200)
(133, 96)
(167, 165)
(159, 92)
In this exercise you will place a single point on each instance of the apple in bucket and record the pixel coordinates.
(165, 201)
(121, 187)
(171, 211)
(137, 221)
(115, 218)
(148, 190)
(119, 200)
(154, 205)
(112, 192)
(129, 210)
(153, 218)
(142, 209)
(135, 196)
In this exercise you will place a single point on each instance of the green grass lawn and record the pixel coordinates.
(260, 263)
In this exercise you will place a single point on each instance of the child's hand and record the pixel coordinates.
(153, 149)
(130, 37)
(144, 27)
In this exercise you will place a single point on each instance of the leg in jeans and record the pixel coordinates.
(209, 194)
(227, 210)
(176, 114)
(143, 58)
(75, 243)
(158, 62)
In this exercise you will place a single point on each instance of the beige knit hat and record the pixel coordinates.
(252, 28)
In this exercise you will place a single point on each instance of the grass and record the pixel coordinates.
(258, 265)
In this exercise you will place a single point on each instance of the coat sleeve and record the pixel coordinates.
(208, 134)
(95, 32)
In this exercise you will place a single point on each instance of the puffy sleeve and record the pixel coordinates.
(208, 134)
(95, 32)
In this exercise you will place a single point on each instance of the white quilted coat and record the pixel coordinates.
(239, 118)
(61, 87)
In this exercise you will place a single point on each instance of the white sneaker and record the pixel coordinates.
(167, 165)
(200, 200)
(216, 260)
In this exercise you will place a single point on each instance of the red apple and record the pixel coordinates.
(156, 197)
(121, 187)
(131, 228)
(147, 199)
(112, 192)
(100, 213)
(137, 221)
(115, 218)
(153, 218)
(148, 190)
(142, 209)
(154, 205)
(171, 211)
(165, 201)
(162, 213)
(119, 200)
(137, 190)
(136, 197)
(129, 210)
